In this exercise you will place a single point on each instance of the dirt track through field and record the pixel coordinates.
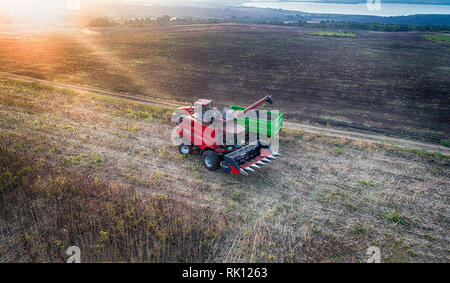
(374, 138)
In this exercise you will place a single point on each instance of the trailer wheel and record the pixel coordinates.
(211, 160)
(185, 149)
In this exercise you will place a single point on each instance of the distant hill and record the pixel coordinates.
(252, 14)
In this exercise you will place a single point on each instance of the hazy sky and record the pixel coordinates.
(163, 2)
(24, 7)
(179, 2)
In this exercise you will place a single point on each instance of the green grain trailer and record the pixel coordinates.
(257, 124)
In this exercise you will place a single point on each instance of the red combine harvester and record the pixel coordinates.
(220, 140)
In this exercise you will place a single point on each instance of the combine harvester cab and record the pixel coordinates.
(229, 140)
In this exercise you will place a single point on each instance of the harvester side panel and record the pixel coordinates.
(197, 134)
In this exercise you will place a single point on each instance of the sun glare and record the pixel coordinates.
(42, 10)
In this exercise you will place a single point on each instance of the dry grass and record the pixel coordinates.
(325, 200)
(45, 210)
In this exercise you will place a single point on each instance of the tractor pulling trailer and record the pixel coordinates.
(223, 137)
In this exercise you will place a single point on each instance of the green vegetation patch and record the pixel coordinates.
(81, 159)
(445, 143)
(395, 217)
(371, 26)
(334, 34)
(438, 37)
(368, 182)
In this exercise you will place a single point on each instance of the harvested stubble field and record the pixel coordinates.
(100, 173)
(391, 83)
